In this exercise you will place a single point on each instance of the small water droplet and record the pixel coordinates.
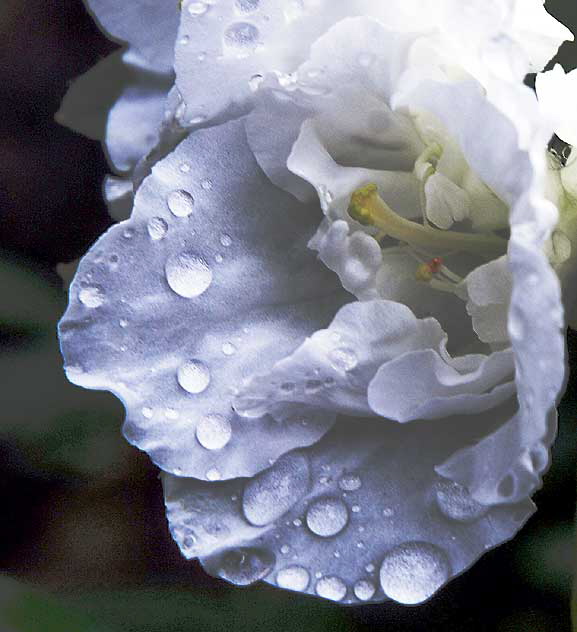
(228, 349)
(246, 565)
(213, 474)
(241, 38)
(364, 589)
(171, 413)
(184, 167)
(327, 517)
(343, 358)
(147, 412)
(273, 492)
(284, 549)
(123, 323)
(456, 503)
(196, 9)
(184, 40)
(225, 240)
(213, 432)
(293, 578)
(157, 228)
(128, 233)
(355, 509)
(180, 203)
(206, 185)
(370, 568)
(91, 296)
(188, 274)
(414, 571)
(193, 376)
(331, 587)
(388, 512)
(297, 522)
(349, 482)
(254, 82)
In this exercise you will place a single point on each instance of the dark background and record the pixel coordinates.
(83, 539)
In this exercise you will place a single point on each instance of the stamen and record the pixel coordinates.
(369, 209)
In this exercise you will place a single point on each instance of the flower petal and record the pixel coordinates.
(149, 26)
(357, 525)
(557, 94)
(208, 282)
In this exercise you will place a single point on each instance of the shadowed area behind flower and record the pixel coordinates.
(88, 529)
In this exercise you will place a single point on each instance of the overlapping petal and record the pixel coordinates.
(209, 281)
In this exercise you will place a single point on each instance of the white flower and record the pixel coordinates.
(365, 428)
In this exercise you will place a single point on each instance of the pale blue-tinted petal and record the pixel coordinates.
(337, 519)
(150, 26)
(535, 320)
(119, 102)
(209, 282)
(119, 197)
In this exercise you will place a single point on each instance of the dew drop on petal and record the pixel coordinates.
(331, 587)
(188, 274)
(364, 589)
(246, 6)
(349, 482)
(246, 565)
(456, 503)
(180, 203)
(193, 376)
(273, 492)
(197, 9)
(91, 296)
(228, 349)
(157, 228)
(213, 474)
(343, 359)
(147, 412)
(241, 37)
(213, 432)
(225, 240)
(327, 517)
(412, 572)
(293, 578)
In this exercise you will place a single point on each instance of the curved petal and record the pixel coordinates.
(208, 282)
(557, 94)
(344, 518)
(150, 26)
(377, 357)
(535, 317)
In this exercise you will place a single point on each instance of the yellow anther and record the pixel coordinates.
(368, 208)
(424, 273)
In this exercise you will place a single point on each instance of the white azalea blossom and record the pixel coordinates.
(334, 315)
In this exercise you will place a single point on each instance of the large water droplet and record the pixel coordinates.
(414, 571)
(331, 587)
(213, 432)
(193, 376)
(157, 228)
(293, 578)
(343, 359)
(327, 517)
(349, 482)
(180, 203)
(273, 492)
(245, 566)
(241, 37)
(455, 502)
(364, 589)
(188, 274)
(91, 296)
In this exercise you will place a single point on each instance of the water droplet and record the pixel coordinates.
(213, 474)
(193, 376)
(364, 589)
(293, 578)
(147, 412)
(128, 233)
(171, 413)
(225, 240)
(245, 566)
(349, 482)
(213, 432)
(206, 185)
(197, 119)
(180, 203)
(388, 512)
(228, 349)
(456, 503)
(284, 549)
(184, 167)
(196, 9)
(241, 37)
(218, 258)
(273, 492)
(91, 296)
(412, 572)
(246, 6)
(254, 82)
(343, 359)
(355, 509)
(157, 228)
(297, 522)
(327, 517)
(188, 274)
(331, 587)
(370, 568)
